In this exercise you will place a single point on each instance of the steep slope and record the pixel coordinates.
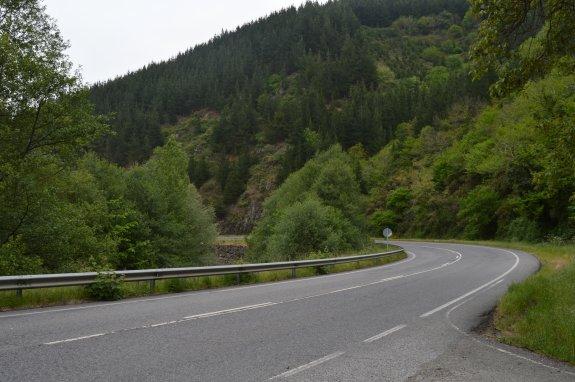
(255, 104)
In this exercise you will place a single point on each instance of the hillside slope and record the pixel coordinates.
(253, 105)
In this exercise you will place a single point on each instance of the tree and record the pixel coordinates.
(182, 229)
(323, 196)
(521, 39)
(45, 121)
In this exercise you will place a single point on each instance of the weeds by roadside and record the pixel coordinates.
(73, 295)
(539, 313)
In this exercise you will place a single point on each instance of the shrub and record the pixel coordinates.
(477, 212)
(107, 287)
(182, 230)
(13, 260)
(317, 208)
(523, 229)
(381, 219)
(310, 226)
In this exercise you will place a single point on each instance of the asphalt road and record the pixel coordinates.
(409, 320)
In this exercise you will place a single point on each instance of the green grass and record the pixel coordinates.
(32, 298)
(539, 313)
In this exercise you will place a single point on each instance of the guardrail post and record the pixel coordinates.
(18, 283)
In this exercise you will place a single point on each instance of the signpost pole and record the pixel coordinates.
(387, 232)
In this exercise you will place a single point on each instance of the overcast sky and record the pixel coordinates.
(111, 37)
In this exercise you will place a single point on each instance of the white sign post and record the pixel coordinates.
(387, 232)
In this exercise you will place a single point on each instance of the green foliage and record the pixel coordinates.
(310, 226)
(318, 208)
(107, 287)
(477, 213)
(13, 259)
(380, 220)
(181, 228)
(45, 122)
(64, 211)
(507, 173)
(538, 313)
(521, 40)
(523, 229)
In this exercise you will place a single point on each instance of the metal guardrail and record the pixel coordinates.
(71, 279)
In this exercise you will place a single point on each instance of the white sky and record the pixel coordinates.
(111, 37)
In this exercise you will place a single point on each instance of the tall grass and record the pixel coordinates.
(539, 313)
(72, 295)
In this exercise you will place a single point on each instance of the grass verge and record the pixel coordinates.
(539, 313)
(34, 298)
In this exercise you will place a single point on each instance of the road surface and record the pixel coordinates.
(404, 321)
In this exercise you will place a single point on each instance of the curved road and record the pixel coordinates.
(404, 321)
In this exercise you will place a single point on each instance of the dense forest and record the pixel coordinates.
(310, 128)
(253, 105)
(63, 209)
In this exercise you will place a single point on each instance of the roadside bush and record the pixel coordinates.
(477, 213)
(14, 262)
(523, 229)
(107, 287)
(317, 208)
(181, 229)
(380, 220)
(310, 226)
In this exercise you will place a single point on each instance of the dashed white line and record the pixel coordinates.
(188, 318)
(75, 339)
(383, 334)
(227, 311)
(249, 307)
(411, 257)
(301, 368)
(449, 303)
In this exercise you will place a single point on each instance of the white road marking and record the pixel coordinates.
(188, 318)
(266, 304)
(75, 339)
(301, 368)
(227, 311)
(449, 303)
(411, 257)
(383, 334)
(492, 346)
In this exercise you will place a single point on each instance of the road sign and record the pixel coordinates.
(387, 232)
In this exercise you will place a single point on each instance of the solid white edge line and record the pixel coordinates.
(449, 303)
(458, 329)
(383, 334)
(301, 368)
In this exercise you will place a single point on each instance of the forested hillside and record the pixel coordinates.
(253, 105)
(430, 117)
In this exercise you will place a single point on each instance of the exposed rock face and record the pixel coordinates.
(243, 215)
